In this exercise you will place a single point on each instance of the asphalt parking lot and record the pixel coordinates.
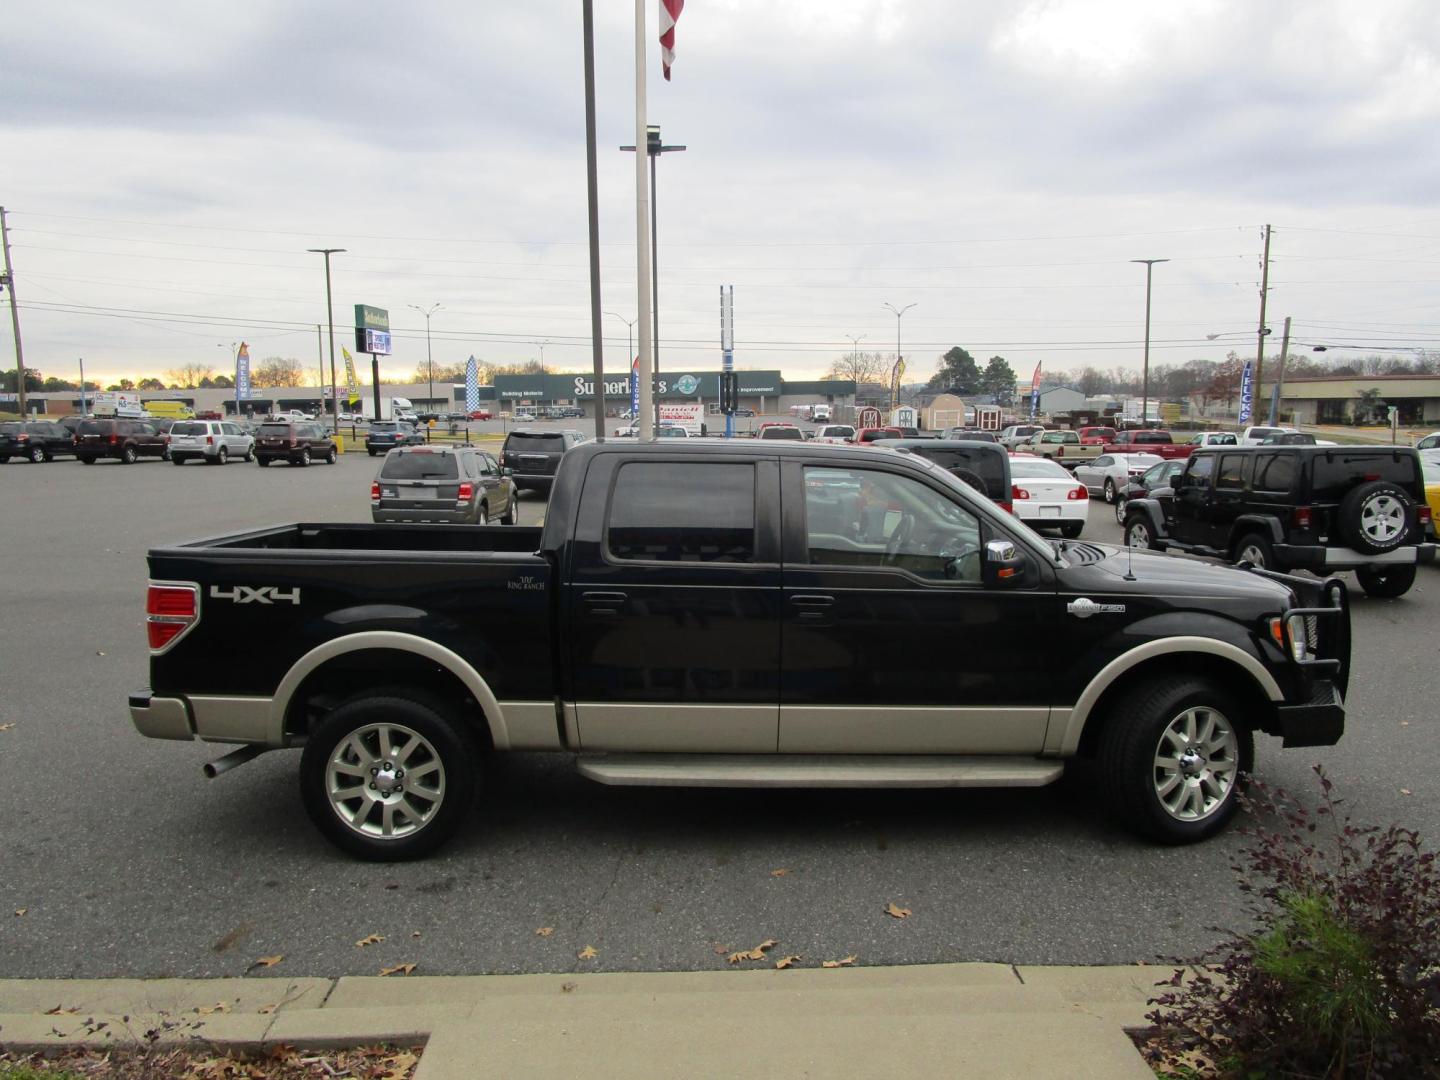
(125, 861)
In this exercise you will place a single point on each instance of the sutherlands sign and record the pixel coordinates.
(372, 330)
(704, 385)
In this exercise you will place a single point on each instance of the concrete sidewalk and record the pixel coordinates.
(966, 1019)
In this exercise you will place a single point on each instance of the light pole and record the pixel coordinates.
(654, 148)
(541, 346)
(330, 314)
(629, 341)
(429, 361)
(1145, 376)
(894, 387)
(855, 340)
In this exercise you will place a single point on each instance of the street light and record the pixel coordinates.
(429, 361)
(629, 337)
(330, 313)
(541, 345)
(896, 368)
(654, 147)
(855, 340)
(1145, 376)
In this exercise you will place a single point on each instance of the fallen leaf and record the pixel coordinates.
(370, 939)
(398, 969)
(6, 727)
(787, 961)
(1404, 791)
(757, 953)
(589, 952)
(266, 1010)
(779, 873)
(267, 961)
(98, 653)
(60, 1010)
(206, 1010)
(566, 988)
(721, 950)
(20, 911)
(1404, 723)
(545, 931)
(897, 912)
(846, 961)
(414, 933)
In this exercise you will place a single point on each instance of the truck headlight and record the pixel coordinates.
(1299, 640)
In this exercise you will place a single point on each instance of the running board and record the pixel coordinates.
(818, 771)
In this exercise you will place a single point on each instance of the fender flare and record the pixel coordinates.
(1151, 509)
(1066, 729)
(1247, 523)
(392, 640)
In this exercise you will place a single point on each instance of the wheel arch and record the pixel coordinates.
(1226, 664)
(1264, 524)
(386, 657)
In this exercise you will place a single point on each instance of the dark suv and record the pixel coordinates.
(128, 440)
(1320, 508)
(299, 443)
(384, 435)
(34, 440)
(533, 456)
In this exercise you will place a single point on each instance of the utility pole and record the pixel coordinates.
(429, 360)
(1145, 378)
(592, 205)
(1264, 292)
(320, 356)
(84, 408)
(1280, 379)
(9, 282)
(330, 314)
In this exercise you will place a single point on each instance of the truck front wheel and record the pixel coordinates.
(389, 776)
(1174, 758)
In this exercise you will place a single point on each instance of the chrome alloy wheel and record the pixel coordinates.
(1382, 518)
(385, 781)
(1138, 536)
(1254, 554)
(1197, 764)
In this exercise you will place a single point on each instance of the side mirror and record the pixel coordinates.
(1004, 563)
(506, 470)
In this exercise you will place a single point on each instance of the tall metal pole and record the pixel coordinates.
(1264, 293)
(642, 240)
(1145, 377)
(429, 360)
(14, 314)
(84, 408)
(592, 193)
(320, 355)
(1280, 380)
(894, 390)
(330, 315)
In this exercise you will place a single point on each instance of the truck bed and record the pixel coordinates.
(410, 539)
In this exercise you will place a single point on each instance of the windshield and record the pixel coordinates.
(1152, 437)
(419, 465)
(384, 425)
(781, 433)
(189, 429)
(93, 427)
(1039, 469)
(535, 440)
(275, 429)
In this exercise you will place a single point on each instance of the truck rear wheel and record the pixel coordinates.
(1386, 581)
(1174, 758)
(1255, 549)
(389, 776)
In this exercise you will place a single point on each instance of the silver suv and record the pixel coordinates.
(211, 441)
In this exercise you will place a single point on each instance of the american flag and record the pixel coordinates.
(669, 16)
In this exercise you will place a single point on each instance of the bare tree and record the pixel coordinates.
(276, 371)
(863, 367)
(188, 376)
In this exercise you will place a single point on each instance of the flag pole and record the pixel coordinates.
(646, 419)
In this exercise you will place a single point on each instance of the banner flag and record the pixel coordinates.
(1035, 392)
(635, 387)
(242, 372)
(1247, 392)
(352, 389)
(472, 385)
(669, 16)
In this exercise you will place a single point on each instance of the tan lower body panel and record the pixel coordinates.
(832, 729)
(686, 729)
(818, 770)
(233, 719)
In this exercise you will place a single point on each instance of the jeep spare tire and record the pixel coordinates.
(1375, 517)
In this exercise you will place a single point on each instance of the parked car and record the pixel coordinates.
(640, 633)
(1154, 478)
(1430, 473)
(629, 432)
(984, 466)
(743, 412)
(1109, 473)
(1360, 508)
(297, 443)
(351, 418)
(1095, 436)
(1045, 496)
(781, 431)
(834, 434)
(1015, 434)
(35, 440)
(445, 485)
(126, 440)
(866, 435)
(971, 434)
(384, 435)
(212, 441)
(1254, 436)
(533, 456)
(671, 431)
(1213, 438)
(1148, 441)
(481, 414)
(1429, 442)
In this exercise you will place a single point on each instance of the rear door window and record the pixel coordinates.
(535, 442)
(283, 430)
(1200, 470)
(654, 514)
(1336, 473)
(1274, 472)
(1232, 471)
(189, 429)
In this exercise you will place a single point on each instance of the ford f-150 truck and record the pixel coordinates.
(756, 614)
(1064, 447)
(1160, 443)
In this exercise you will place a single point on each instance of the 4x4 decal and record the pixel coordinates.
(255, 594)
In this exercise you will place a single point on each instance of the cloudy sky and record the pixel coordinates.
(165, 166)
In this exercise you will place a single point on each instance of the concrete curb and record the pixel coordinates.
(991, 1019)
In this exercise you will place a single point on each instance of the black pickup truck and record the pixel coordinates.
(738, 614)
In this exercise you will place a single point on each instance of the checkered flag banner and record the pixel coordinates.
(669, 16)
(472, 386)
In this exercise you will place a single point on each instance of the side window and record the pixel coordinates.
(229, 429)
(1199, 471)
(1274, 472)
(1232, 471)
(867, 518)
(1104, 461)
(654, 514)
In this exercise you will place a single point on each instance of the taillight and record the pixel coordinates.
(466, 490)
(114, 439)
(209, 440)
(1423, 510)
(1017, 493)
(1060, 451)
(1078, 493)
(22, 438)
(375, 491)
(170, 610)
(1302, 517)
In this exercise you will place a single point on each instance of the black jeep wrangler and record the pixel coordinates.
(1320, 508)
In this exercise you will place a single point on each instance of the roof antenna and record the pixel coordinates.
(1129, 559)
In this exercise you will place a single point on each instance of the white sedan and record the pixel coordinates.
(1045, 495)
(1108, 474)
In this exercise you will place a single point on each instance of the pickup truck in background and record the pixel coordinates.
(670, 625)
(1095, 436)
(1160, 443)
(1063, 447)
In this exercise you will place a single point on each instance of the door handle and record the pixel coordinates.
(813, 607)
(603, 603)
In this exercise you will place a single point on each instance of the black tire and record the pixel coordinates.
(222, 456)
(455, 749)
(177, 459)
(1255, 549)
(1120, 503)
(1109, 489)
(128, 456)
(1140, 726)
(509, 516)
(1140, 534)
(263, 462)
(86, 460)
(1386, 582)
(165, 454)
(369, 451)
(250, 454)
(1375, 517)
(332, 456)
(36, 455)
(482, 514)
(1071, 530)
(304, 459)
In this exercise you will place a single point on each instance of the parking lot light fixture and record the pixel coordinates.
(330, 314)
(429, 360)
(1145, 376)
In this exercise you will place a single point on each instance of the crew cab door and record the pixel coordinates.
(891, 641)
(673, 605)
(1190, 512)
